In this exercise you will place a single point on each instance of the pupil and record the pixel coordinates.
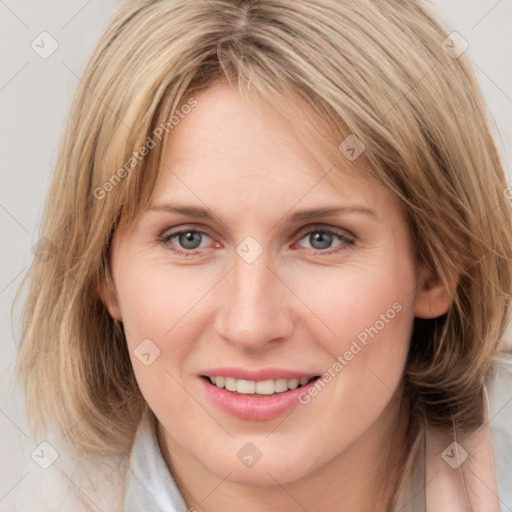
(320, 240)
(190, 240)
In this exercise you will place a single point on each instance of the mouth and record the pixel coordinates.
(257, 396)
(258, 388)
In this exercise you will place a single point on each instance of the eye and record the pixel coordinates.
(327, 241)
(185, 241)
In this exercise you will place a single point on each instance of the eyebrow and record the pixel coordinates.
(322, 212)
(204, 213)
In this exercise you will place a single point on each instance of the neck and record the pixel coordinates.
(361, 478)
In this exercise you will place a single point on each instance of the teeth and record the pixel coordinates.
(229, 384)
(262, 387)
(265, 387)
(245, 387)
(281, 385)
(293, 383)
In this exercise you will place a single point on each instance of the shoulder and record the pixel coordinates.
(499, 390)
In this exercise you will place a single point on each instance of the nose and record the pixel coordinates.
(254, 306)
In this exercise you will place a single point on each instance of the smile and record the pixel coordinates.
(255, 395)
(260, 387)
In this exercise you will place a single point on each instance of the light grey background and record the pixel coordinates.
(35, 95)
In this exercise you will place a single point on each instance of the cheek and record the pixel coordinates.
(369, 310)
(362, 300)
(158, 303)
(163, 317)
(158, 324)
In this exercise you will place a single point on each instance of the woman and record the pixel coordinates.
(283, 263)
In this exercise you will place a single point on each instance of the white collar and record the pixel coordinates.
(149, 485)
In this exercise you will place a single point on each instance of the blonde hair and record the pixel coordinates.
(374, 69)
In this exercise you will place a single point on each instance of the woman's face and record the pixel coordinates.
(277, 278)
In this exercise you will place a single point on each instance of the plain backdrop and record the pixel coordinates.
(35, 95)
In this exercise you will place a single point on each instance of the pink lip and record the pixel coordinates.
(259, 408)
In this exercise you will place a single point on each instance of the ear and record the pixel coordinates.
(109, 298)
(433, 299)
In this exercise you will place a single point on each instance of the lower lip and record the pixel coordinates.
(259, 408)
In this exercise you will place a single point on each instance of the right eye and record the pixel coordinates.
(186, 242)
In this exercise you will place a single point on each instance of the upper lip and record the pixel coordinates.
(257, 375)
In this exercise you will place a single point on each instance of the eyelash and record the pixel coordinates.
(347, 240)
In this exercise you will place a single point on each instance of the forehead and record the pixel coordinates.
(231, 149)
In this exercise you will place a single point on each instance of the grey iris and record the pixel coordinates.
(320, 240)
(190, 240)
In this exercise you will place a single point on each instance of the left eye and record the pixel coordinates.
(322, 239)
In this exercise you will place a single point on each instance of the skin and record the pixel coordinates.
(294, 307)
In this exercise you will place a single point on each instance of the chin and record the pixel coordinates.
(266, 475)
(267, 471)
